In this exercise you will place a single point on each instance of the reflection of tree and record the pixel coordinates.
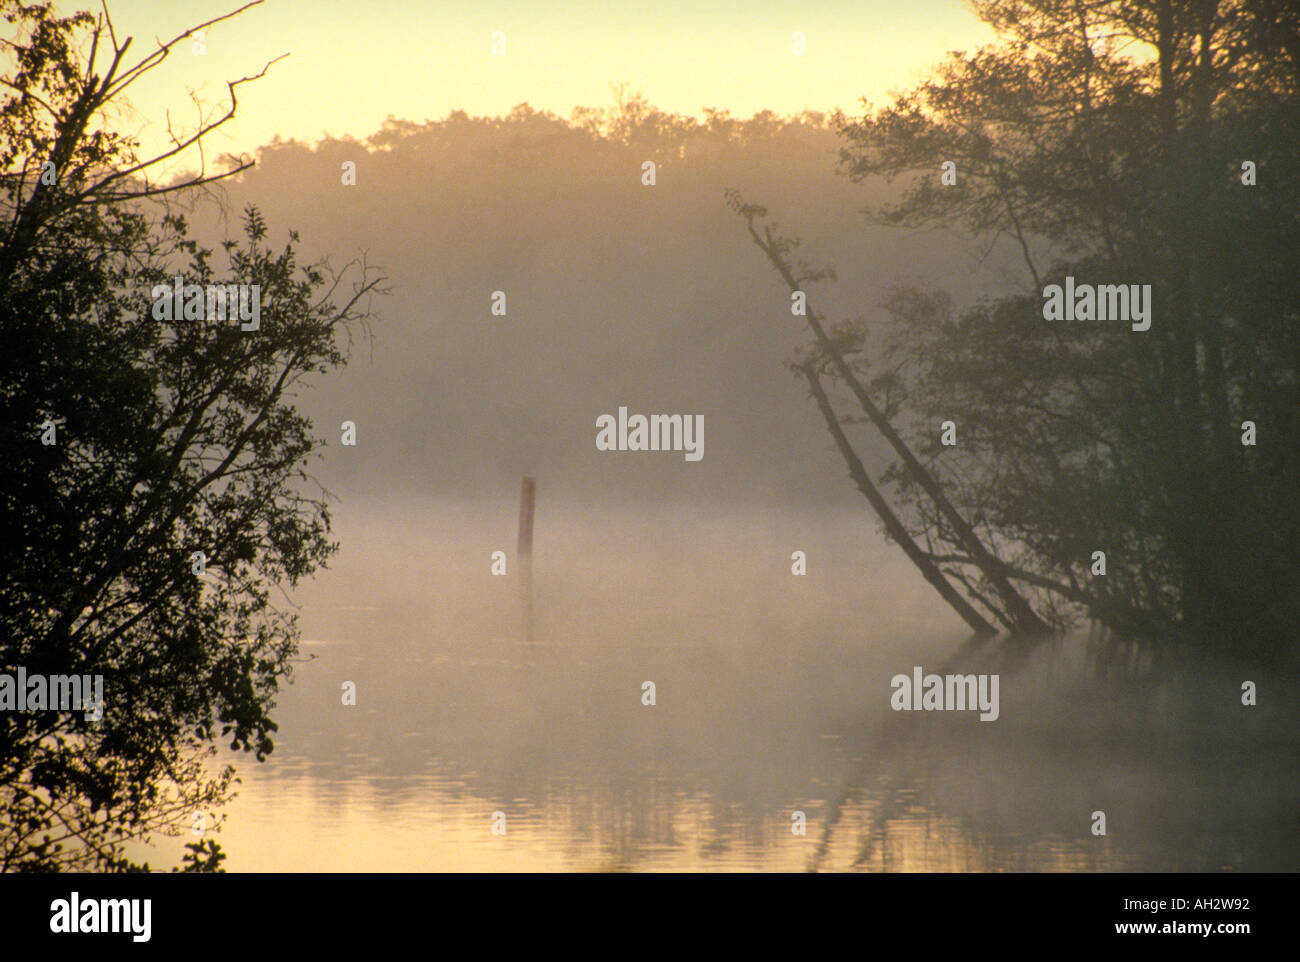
(1099, 717)
(173, 437)
(1107, 141)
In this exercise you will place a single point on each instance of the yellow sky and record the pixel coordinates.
(352, 64)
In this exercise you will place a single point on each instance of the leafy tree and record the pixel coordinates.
(172, 437)
(203, 857)
(1106, 139)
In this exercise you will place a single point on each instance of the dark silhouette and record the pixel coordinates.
(152, 489)
(1118, 144)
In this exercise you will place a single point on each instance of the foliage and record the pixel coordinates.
(173, 436)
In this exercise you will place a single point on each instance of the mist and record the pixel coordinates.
(617, 294)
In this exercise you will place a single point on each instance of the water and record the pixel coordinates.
(772, 697)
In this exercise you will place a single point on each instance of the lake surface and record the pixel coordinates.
(772, 697)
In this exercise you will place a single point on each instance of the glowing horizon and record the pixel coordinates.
(559, 55)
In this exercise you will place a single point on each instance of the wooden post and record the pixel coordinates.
(527, 495)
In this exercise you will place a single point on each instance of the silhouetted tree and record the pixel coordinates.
(171, 437)
(1107, 140)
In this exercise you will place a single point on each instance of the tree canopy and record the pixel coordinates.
(1145, 142)
(155, 496)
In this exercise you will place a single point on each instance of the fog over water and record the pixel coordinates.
(973, 548)
(772, 697)
(772, 691)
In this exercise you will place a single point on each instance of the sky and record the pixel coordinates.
(352, 65)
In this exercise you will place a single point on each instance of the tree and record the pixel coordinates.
(1106, 139)
(834, 353)
(172, 437)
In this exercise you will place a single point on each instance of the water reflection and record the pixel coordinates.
(772, 698)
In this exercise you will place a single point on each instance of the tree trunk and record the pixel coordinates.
(993, 569)
(893, 526)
